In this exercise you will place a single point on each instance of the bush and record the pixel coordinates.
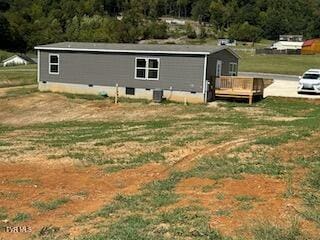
(245, 32)
(203, 33)
(190, 32)
(156, 31)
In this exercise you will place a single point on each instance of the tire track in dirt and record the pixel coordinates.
(187, 162)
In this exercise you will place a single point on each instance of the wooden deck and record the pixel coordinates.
(239, 87)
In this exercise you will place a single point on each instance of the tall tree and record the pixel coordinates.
(218, 14)
(25, 23)
(200, 10)
(5, 32)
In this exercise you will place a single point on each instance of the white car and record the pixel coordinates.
(310, 82)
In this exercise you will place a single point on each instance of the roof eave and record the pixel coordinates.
(120, 51)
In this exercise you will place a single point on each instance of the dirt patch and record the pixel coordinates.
(237, 204)
(285, 119)
(88, 189)
(50, 107)
(298, 149)
(263, 114)
(250, 110)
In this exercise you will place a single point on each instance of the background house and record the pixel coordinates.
(134, 70)
(18, 59)
(311, 46)
(174, 21)
(227, 42)
(287, 45)
(291, 38)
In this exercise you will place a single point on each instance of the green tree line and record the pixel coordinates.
(26, 23)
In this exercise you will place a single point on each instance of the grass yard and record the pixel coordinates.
(18, 76)
(279, 64)
(82, 168)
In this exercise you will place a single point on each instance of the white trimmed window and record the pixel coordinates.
(147, 68)
(233, 69)
(54, 64)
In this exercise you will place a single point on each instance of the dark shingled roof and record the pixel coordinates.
(145, 48)
(25, 57)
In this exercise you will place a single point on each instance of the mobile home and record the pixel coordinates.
(183, 72)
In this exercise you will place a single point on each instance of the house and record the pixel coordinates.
(311, 46)
(174, 21)
(291, 38)
(183, 72)
(227, 42)
(18, 59)
(287, 45)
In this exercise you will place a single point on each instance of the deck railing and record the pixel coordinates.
(240, 87)
(240, 83)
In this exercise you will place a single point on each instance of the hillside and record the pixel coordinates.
(26, 23)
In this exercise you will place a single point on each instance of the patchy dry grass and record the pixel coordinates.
(267, 230)
(18, 76)
(122, 166)
(21, 217)
(50, 205)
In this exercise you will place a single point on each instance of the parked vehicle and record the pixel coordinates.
(310, 82)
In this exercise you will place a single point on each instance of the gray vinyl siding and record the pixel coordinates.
(226, 57)
(181, 72)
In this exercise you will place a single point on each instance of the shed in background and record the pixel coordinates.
(311, 46)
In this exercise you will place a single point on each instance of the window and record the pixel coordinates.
(147, 68)
(130, 91)
(233, 69)
(311, 76)
(53, 64)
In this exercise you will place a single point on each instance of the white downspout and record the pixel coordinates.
(205, 90)
(38, 77)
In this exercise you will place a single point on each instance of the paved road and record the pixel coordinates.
(283, 86)
(270, 75)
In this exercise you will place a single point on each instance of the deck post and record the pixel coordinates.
(117, 94)
(213, 80)
(252, 80)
